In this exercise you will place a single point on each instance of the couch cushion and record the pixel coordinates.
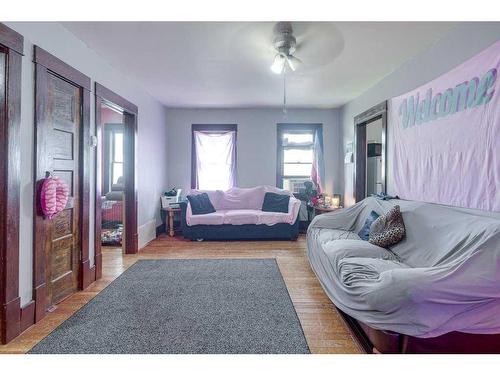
(349, 248)
(241, 217)
(326, 235)
(275, 202)
(355, 271)
(357, 260)
(215, 218)
(200, 204)
(272, 218)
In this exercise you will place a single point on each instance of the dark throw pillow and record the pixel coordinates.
(364, 233)
(200, 204)
(388, 229)
(275, 203)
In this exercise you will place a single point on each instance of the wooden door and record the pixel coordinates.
(61, 262)
(3, 58)
(61, 133)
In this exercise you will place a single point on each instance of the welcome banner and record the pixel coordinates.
(444, 137)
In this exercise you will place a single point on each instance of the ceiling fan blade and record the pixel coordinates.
(253, 40)
(293, 62)
(318, 43)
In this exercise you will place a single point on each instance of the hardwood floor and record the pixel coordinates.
(324, 329)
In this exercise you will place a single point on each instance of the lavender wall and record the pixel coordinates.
(256, 142)
(463, 42)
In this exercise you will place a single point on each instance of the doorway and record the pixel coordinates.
(116, 192)
(370, 163)
(112, 179)
(62, 103)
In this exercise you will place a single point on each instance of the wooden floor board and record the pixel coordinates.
(324, 329)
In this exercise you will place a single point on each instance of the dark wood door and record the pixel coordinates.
(61, 262)
(3, 168)
(62, 233)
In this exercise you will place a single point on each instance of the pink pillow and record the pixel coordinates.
(53, 196)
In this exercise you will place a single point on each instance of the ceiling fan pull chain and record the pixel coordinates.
(284, 90)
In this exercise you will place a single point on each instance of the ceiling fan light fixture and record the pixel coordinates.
(278, 63)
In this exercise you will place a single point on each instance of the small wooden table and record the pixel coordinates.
(321, 210)
(171, 213)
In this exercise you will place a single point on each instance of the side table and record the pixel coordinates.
(170, 219)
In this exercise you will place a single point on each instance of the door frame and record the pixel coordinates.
(129, 110)
(376, 112)
(45, 63)
(12, 44)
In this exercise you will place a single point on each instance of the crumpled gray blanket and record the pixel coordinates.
(444, 276)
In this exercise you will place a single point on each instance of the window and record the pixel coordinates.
(112, 156)
(117, 157)
(213, 157)
(297, 144)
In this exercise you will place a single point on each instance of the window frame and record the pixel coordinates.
(290, 128)
(13, 319)
(211, 128)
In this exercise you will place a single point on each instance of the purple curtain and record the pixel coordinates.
(318, 166)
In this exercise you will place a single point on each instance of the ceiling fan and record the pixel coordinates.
(284, 43)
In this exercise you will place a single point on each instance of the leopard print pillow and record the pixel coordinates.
(388, 229)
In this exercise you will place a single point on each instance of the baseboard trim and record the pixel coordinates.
(11, 320)
(27, 316)
(147, 233)
(88, 274)
(98, 266)
(39, 296)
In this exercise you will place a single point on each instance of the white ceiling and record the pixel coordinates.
(226, 64)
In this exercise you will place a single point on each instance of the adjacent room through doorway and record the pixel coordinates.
(112, 181)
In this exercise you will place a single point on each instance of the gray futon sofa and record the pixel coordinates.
(442, 279)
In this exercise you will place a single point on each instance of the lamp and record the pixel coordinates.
(328, 201)
(336, 200)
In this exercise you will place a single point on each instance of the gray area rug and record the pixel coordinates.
(186, 306)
